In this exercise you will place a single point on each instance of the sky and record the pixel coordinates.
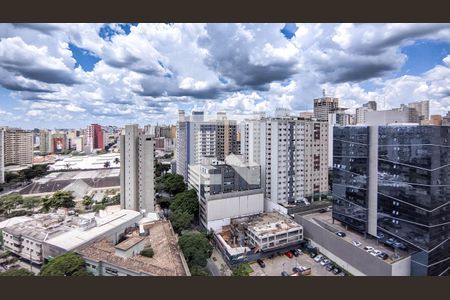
(72, 75)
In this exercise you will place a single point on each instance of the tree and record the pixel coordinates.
(186, 201)
(63, 199)
(199, 271)
(116, 160)
(115, 199)
(10, 202)
(196, 248)
(17, 272)
(87, 201)
(243, 269)
(181, 220)
(161, 169)
(68, 264)
(107, 164)
(171, 183)
(31, 202)
(148, 252)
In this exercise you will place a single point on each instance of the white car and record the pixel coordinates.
(356, 243)
(369, 248)
(377, 252)
(318, 258)
(373, 253)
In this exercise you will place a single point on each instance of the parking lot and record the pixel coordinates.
(276, 265)
(350, 236)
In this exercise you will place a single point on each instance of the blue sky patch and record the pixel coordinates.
(423, 55)
(84, 58)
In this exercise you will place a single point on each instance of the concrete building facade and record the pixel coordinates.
(137, 170)
(2, 155)
(18, 146)
(325, 106)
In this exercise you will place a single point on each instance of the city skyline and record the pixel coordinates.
(72, 75)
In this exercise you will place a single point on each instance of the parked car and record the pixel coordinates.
(325, 261)
(383, 256)
(380, 236)
(390, 242)
(289, 254)
(368, 248)
(400, 246)
(296, 270)
(373, 253)
(284, 273)
(376, 252)
(356, 243)
(341, 234)
(323, 210)
(261, 263)
(312, 254)
(300, 252)
(318, 258)
(336, 270)
(295, 252)
(329, 267)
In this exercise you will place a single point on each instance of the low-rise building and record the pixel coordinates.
(106, 258)
(49, 235)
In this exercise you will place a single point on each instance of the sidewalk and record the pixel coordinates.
(217, 265)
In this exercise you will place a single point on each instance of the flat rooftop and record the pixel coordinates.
(325, 220)
(167, 259)
(129, 243)
(84, 162)
(76, 238)
(271, 223)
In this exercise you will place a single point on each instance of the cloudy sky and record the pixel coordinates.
(71, 75)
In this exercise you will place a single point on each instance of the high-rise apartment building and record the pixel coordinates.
(392, 182)
(2, 155)
(422, 108)
(94, 137)
(325, 106)
(293, 154)
(44, 142)
(18, 146)
(197, 138)
(59, 143)
(371, 105)
(137, 170)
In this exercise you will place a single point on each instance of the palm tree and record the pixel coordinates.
(107, 164)
(116, 160)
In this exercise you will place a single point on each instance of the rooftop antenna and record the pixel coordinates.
(323, 91)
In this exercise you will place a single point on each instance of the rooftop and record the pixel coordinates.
(129, 243)
(86, 162)
(75, 238)
(167, 259)
(271, 223)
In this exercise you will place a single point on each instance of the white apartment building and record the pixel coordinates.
(197, 138)
(137, 170)
(422, 108)
(293, 153)
(18, 146)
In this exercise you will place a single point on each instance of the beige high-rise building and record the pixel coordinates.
(325, 106)
(137, 170)
(434, 120)
(18, 146)
(44, 142)
(422, 108)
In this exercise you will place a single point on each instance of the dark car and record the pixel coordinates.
(341, 234)
(383, 256)
(295, 252)
(261, 263)
(312, 255)
(400, 246)
(284, 273)
(329, 267)
(390, 242)
(323, 210)
(336, 270)
(296, 270)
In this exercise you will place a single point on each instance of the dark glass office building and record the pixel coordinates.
(393, 182)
